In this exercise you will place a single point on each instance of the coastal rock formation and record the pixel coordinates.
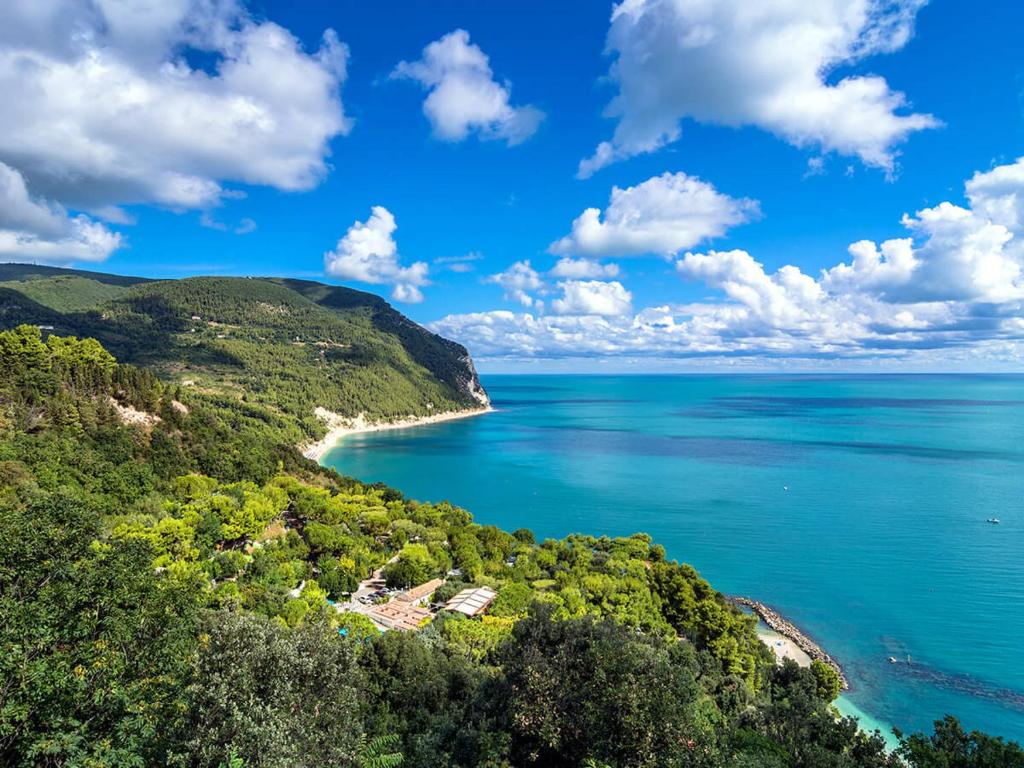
(780, 624)
(470, 384)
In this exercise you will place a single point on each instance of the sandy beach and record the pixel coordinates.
(783, 647)
(338, 426)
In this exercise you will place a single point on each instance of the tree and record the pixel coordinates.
(584, 689)
(827, 680)
(513, 599)
(414, 565)
(96, 643)
(276, 697)
(951, 747)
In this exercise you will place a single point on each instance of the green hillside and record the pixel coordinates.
(174, 591)
(279, 347)
(66, 293)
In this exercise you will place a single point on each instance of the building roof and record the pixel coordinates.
(421, 591)
(472, 601)
(402, 616)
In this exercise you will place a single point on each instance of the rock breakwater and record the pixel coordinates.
(784, 627)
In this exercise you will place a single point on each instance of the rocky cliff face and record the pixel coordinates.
(471, 384)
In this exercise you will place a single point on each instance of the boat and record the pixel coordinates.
(993, 520)
(892, 660)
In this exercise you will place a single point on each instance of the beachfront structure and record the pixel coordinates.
(472, 601)
(401, 616)
(417, 595)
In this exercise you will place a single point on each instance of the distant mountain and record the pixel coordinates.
(286, 346)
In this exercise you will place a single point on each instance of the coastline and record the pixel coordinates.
(786, 629)
(339, 427)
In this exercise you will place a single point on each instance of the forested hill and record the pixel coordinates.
(176, 591)
(283, 347)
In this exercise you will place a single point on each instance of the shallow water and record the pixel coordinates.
(879, 547)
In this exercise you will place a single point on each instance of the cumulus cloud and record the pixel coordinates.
(103, 105)
(593, 297)
(579, 269)
(780, 300)
(949, 294)
(38, 230)
(661, 216)
(998, 195)
(518, 282)
(368, 253)
(765, 64)
(464, 97)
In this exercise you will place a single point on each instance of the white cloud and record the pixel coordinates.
(782, 300)
(874, 269)
(37, 230)
(86, 240)
(461, 264)
(244, 226)
(518, 282)
(661, 216)
(103, 108)
(593, 297)
(463, 95)
(999, 194)
(950, 295)
(368, 253)
(768, 64)
(579, 269)
(960, 255)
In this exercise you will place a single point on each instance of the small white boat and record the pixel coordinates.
(892, 660)
(993, 520)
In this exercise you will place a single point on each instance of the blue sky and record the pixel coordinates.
(775, 164)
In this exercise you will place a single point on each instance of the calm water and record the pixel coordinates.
(879, 548)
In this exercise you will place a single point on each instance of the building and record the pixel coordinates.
(401, 616)
(417, 595)
(472, 601)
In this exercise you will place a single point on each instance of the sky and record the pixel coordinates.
(650, 185)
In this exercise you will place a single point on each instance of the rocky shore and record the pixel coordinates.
(780, 624)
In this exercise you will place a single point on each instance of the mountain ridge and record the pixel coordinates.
(285, 345)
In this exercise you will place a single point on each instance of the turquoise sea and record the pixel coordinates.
(855, 505)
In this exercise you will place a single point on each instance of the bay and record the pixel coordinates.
(855, 505)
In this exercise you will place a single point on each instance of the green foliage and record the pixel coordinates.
(513, 600)
(66, 293)
(265, 349)
(952, 747)
(376, 752)
(272, 696)
(415, 565)
(827, 679)
(96, 644)
(165, 586)
(477, 640)
(583, 689)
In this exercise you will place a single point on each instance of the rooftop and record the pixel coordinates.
(401, 616)
(472, 601)
(421, 591)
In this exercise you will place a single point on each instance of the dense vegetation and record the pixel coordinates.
(168, 569)
(270, 349)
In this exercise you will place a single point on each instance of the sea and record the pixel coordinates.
(857, 506)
